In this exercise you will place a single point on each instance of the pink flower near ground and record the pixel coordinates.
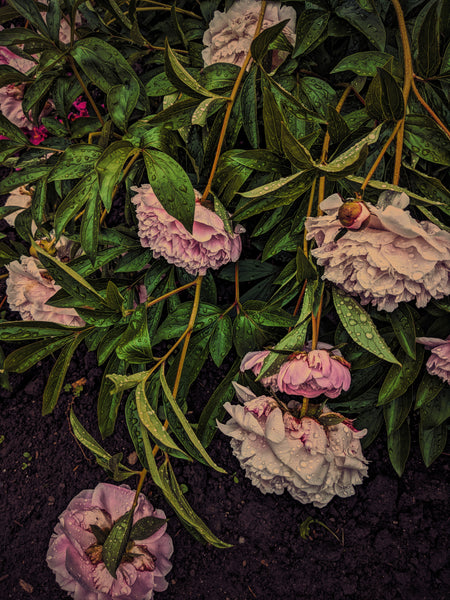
(75, 555)
(28, 288)
(209, 245)
(230, 33)
(20, 197)
(394, 259)
(253, 361)
(315, 372)
(281, 452)
(439, 361)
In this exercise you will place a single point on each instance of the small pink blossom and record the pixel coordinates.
(394, 259)
(253, 361)
(19, 197)
(209, 245)
(315, 372)
(230, 33)
(75, 556)
(28, 288)
(281, 452)
(439, 361)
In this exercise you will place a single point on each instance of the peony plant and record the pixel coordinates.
(259, 186)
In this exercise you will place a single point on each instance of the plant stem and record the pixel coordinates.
(230, 104)
(236, 284)
(380, 156)
(308, 214)
(86, 91)
(429, 109)
(142, 476)
(179, 10)
(305, 405)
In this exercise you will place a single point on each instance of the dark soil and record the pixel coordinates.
(393, 530)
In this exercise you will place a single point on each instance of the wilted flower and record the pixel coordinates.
(230, 34)
(439, 361)
(28, 288)
(209, 245)
(308, 373)
(20, 197)
(75, 554)
(279, 451)
(394, 259)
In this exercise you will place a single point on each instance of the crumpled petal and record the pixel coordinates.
(439, 361)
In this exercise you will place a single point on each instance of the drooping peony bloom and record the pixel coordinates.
(20, 197)
(439, 361)
(308, 373)
(75, 555)
(394, 259)
(28, 288)
(279, 451)
(230, 34)
(314, 372)
(209, 245)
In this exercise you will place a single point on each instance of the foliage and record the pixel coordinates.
(266, 146)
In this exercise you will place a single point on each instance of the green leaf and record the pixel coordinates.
(109, 169)
(247, 335)
(296, 153)
(310, 26)
(87, 440)
(75, 200)
(436, 411)
(58, 374)
(176, 322)
(432, 442)
(109, 400)
(186, 425)
(171, 185)
(402, 321)
(69, 279)
(426, 139)
(363, 63)
(90, 226)
(76, 161)
(125, 382)
(221, 340)
(273, 119)
(384, 99)
(383, 185)
(22, 177)
(428, 389)
(399, 379)
(317, 94)
(134, 429)
(37, 90)
(19, 331)
(22, 359)
(175, 497)
(260, 45)
(268, 315)
(116, 542)
(181, 79)
(151, 422)
(29, 10)
(368, 23)
(134, 345)
(12, 132)
(248, 100)
(399, 445)
(428, 57)
(360, 326)
(337, 127)
(282, 239)
(146, 527)
(114, 298)
(53, 19)
(397, 411)
(121, 101)
(214, 411)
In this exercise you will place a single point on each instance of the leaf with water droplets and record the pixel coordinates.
(427, 140)
(311, 25)
(432, 442)
(368, 23)
(360, 326)
(399, 445)
(363, 63)
(428, 389)
(399, 379)
(116, 542)
(397, 411)
(146, 527)
(402, 321)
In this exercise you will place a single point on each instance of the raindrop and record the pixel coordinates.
(369, 336)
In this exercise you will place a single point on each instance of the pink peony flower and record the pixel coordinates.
(230, 34)
(209, 245)
(279, 451)
(394, 259)
(28, 288)
(439, 361)
(315, 372)
(20, 197)
(75, 555)
(253, 361)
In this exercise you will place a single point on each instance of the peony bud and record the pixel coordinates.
(354, 214)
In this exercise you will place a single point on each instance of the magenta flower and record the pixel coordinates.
(311, 373)
(230, 34)
(281, 452)
(439, 361)
(394, 259)
(209, 245)
(75, 555)
(28, 288)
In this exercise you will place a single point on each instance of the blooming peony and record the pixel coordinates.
(28, 288)
(75, 555)
(393, 259)
(307, 373)
(230, 34)
(279, 451)
(439, 361)
(209, 245)
(20, 197)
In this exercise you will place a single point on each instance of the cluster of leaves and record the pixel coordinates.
(156, 116)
